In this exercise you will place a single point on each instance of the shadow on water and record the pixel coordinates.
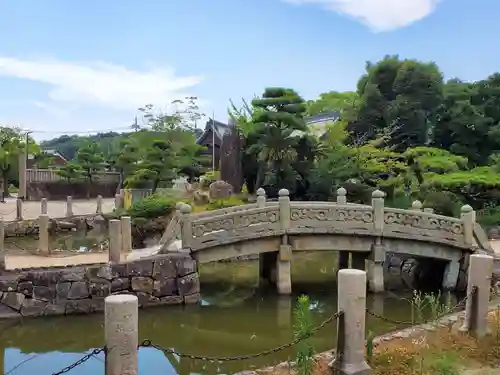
(235, 318)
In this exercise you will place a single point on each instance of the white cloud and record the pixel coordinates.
(378, 15)
(112, 86)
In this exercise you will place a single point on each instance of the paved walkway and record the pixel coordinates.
(55, 209)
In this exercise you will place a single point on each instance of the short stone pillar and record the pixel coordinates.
(186, 228)
(261, 198)
(416, 205)
(377, 255)
(126, 228)
(118, 201)
(43, 234)
(2, 245)
(341, 196)
(352, 302)
(476, 308)
(467, 214)
(98, 209)
(121, 333)
(69, 206)
(284, 261)
(115, 241)
(19, 209)
(43, 206)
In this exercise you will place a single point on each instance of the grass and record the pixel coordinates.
(445, 351)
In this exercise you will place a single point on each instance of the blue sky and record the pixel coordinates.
(88, 65)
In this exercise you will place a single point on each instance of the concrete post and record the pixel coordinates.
(22, 175)
(467, 214)
(186, 227)
(115, 241)
(429, 210)
(126, 228)
(476, 308)
(2, 246)
(352, 302)
(98, 209)
(377, 255)
(19, 209)
(416, 206)
(43, 206)
(118, 202)
(341, 196)
(43, 234)
(69, 206)
(121, 324)
(261, 198)
(284, 261)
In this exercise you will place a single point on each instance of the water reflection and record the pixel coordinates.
(260, 322)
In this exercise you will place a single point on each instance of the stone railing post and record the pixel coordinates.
(261, 198)
(121, 325)
(2, 245)
(126, 228)
(43, 206)
(284, 261)
(476, 308)
(377, 256)
(416, 205)
(352, 302)
(186, 227)
(98, 209)
(429, 210)
(19, 209)
(118, 202)
(69, 206)
(341, 196)
(115, 241)
(467, 214)
(43, 234)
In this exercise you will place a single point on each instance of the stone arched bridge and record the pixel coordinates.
(364, 232)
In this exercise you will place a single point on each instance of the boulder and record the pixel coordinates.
(220, 190)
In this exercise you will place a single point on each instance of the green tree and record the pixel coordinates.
(71, 172)
(332, 101)
(91, 161)
(123, 158)
(399, 98)
(279, 126)
(158, 165)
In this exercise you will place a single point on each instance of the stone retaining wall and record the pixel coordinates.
(168, 279)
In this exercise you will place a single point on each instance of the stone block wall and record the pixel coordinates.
(168, 279)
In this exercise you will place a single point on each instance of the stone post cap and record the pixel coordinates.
(261, 192)
(466, 208)
(121, 298)
(179, 205)
(378, 194)
(342, 192)
(482, 256)
(352, 272)
(417, 204)
(283, 193)
(186, 208)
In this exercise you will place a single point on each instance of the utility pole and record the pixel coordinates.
(23, 164)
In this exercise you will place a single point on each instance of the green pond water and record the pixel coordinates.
(235, 318)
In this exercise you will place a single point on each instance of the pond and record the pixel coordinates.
(235, 318)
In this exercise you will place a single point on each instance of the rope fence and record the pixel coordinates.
(121, 324)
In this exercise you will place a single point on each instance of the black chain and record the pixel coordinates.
(148, 343)
(82, 360)
(433, 319)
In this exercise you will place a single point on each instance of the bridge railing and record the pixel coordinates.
(264, 218)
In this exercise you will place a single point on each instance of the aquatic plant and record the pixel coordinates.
(303, 326)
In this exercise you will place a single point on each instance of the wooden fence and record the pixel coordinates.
(49, 175)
